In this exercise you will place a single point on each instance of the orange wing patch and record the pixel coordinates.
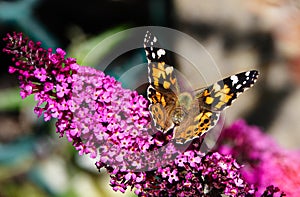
(160, 76)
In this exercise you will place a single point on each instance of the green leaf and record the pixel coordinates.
(86, 50)
(11, 100)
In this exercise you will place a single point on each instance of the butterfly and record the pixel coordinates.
(190, 116)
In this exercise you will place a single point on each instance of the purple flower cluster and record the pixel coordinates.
(246, 142)
(43, 74)
(191, 174)
(107, 117)
(112, 124)
(92, 109)
(265, 162)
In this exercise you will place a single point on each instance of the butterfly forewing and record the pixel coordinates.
(223, 93)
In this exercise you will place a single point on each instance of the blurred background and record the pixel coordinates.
(239, 35)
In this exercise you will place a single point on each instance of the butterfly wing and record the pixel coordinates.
(210, 102)
(223, 93)
(163, 89)
(197, 122)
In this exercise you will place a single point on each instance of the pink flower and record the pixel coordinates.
(280, 169)
(172, 176)
(62, 89)
(40, 74)
(265, 162)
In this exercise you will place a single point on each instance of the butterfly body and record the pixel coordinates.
(189, 115)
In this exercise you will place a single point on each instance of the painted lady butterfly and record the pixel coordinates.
(189, 116)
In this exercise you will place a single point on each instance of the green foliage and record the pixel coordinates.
(87, 52)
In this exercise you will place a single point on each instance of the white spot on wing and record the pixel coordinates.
(238, 86)
(247, 73)
(234, 79)
(161, 52)
(153, 55)
(169, 69)
(217, 87)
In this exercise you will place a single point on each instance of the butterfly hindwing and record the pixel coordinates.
(197, 122)
(163, 104)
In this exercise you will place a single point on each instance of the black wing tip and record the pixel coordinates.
(148, 33)
(147, 39)
(254, 74)
(150, 40)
